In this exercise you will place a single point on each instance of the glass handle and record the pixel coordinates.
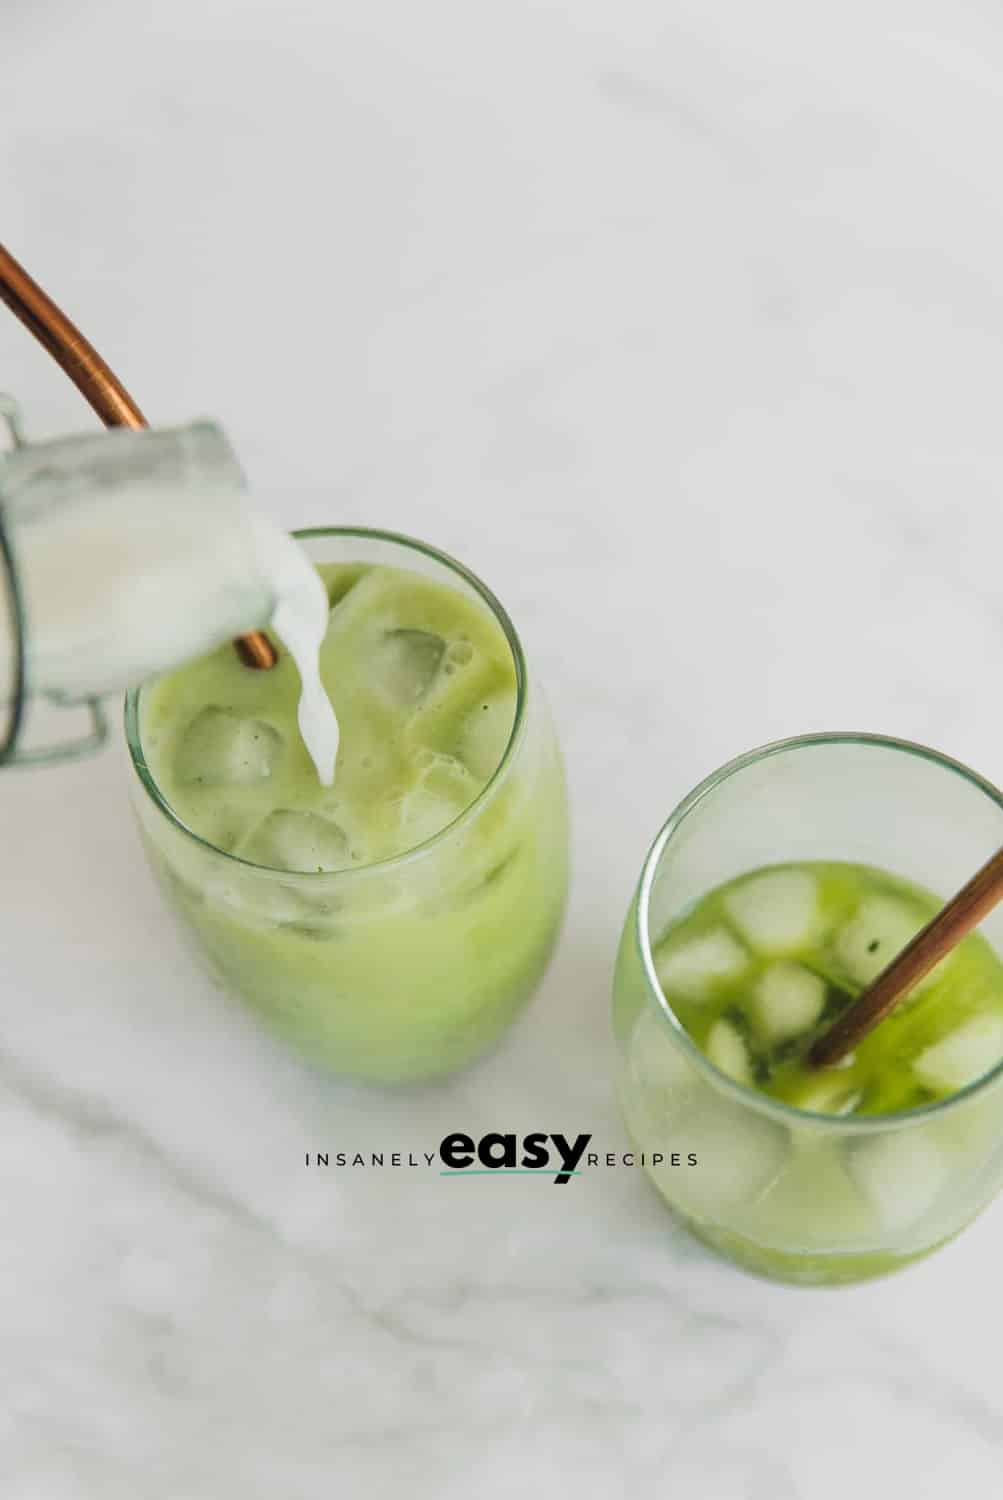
(12, 713)
(47, 755)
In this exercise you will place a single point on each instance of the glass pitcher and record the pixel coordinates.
(121, 553)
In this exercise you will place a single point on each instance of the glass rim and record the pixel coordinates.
(419, 851)
(740, 1092)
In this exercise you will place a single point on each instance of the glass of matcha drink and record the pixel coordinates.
(776, 892)
(390, 925)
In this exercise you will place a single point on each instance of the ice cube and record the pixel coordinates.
(339, 579)
(438, 797)
(654, 1080)
(726, 1049)
(827, 1093)
(657, 1059)
(222, 748)
(302, 841)
(813, 1205)
(775, 912)
(423, 815)
(691, 967)
(963, 1056)
(485, 733)
(406, 663)
(900, 1173)
(881, 928)
(788, 1000)
(739, 1154)
(249, 895)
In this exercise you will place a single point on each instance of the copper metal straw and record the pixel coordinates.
(96, 383)
(963, 912)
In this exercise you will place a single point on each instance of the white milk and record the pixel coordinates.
(135, 552)
(300, 617)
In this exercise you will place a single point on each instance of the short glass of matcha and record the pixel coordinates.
(777, 891)
(392, 925)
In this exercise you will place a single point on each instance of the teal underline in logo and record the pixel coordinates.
(506, 1172)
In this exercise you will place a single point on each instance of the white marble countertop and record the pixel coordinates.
(682, 325)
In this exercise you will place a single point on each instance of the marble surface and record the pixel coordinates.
(682, 325)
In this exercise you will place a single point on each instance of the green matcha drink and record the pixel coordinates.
(812, 1175)
(762, 966)
(391, 924)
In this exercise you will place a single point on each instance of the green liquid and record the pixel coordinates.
(785, 990)
(755, 971)
(387, 971)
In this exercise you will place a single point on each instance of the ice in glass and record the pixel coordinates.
(392, 924)
(731, 965)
